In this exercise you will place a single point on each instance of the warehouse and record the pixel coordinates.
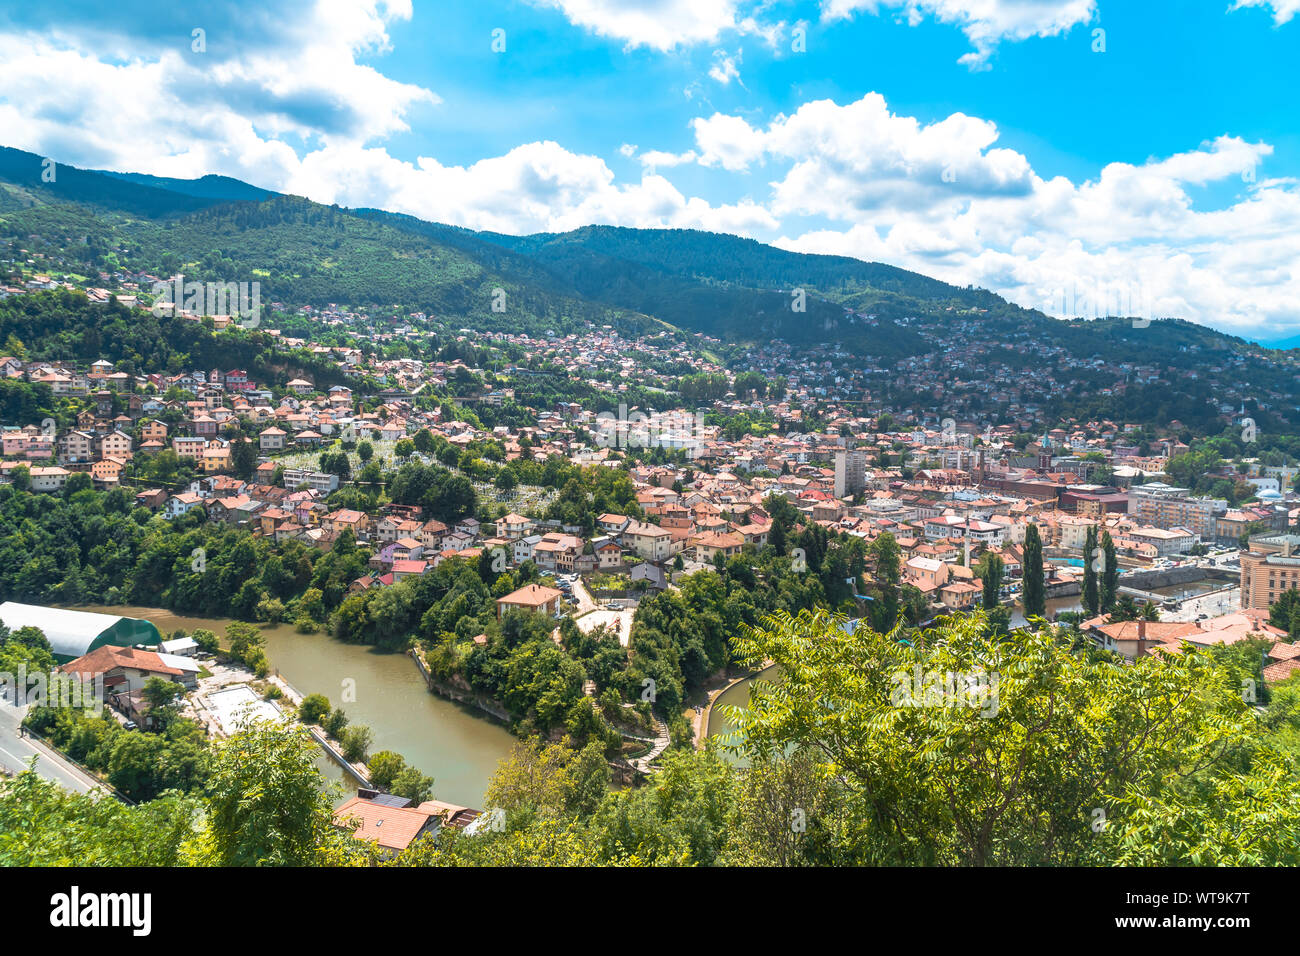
(73, 634)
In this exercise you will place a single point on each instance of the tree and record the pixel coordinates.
(356, 741)
(384, 768)
(206, 640)
(413, 785)
(243, 456)
(365, 451)
(1009, 765)
(265, 803)
(1284, 613)
(41, 824)
(1034, 595)
(161, 695)
(1110, 574)
(314, 708)
(989, 569)
(247, 643)
(1091, 602)
(888, 575)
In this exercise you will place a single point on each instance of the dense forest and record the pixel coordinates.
(67, 326)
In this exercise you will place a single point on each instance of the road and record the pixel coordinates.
(16, 752)
(1212, 605)
(585, 601)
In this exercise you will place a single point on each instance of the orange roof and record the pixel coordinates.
(530, 595)
(1154, 631)
(392, 827)
(1280, 671)
(108, 656)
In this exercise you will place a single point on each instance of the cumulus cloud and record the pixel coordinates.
(228, 106)
(985, 22)
(657, 24)
(944, 200)
(1283, 10)
(849, 159)
(536, 187)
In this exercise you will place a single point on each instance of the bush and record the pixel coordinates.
(356, 741)
(335, 723)
(314, 709)
(384, 768)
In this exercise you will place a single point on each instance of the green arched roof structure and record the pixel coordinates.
(74, 634)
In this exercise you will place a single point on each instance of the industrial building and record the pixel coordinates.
(74, 634)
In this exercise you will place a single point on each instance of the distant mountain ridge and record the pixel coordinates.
(738, 290)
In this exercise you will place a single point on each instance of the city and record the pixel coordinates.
(844, 491)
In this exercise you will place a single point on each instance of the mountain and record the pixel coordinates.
(738, 291)
(32, 174)
(219, 188)
(217, 228)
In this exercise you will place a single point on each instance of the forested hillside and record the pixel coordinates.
(638, 280)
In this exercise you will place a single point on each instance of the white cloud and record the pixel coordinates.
(536, 187)
(985, 22)
(228, 109)
(658, 24)
(857, 157)
(945, 200)
(1283, 10)
(654, 157)
(724, 68)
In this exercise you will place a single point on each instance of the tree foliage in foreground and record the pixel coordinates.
(854, 756)
(1068, 758)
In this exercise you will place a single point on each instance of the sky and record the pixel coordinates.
(1077, 156)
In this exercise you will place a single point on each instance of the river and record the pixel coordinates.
(385, 692)
(722, 727)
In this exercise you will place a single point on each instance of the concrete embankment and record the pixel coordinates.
(295, 697)
(461, 695)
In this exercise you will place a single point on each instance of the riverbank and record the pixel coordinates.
(733, 690)
(457, 693)
(449, 741)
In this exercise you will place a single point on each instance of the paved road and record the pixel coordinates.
(585, 601)
(16, 752)
(1211, 605)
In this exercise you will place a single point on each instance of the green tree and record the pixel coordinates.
(1091, 601)
(265, 803)
(413, 785)
(356, 742)
(1110, 574)
(314, 708)
(989, 569)
(888, 575)
(1010, 771)
(1034, 595)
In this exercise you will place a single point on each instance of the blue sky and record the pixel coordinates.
(992, 142)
